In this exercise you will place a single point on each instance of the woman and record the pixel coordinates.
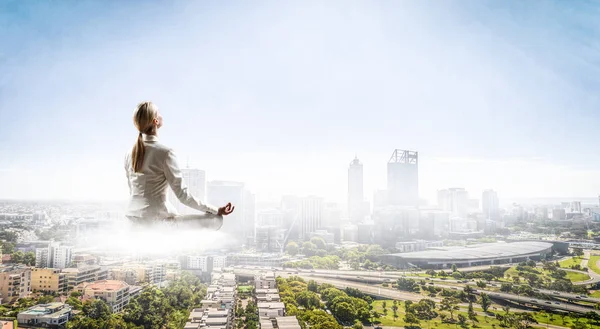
(151, 169)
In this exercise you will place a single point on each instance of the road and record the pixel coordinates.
(375, 278)
(343, 283)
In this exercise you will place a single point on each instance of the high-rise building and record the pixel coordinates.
(195, 180)
(559, 214)
(575, 207)
(355, 191)
(250, 216)
(270, 217)
(219, 193)
(454, 200)
(53, 256)
(403, 178)
(290, 206)
(311, 215)
(490, 205)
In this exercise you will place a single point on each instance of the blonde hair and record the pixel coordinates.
(143, 119)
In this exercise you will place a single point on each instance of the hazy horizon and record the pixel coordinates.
(283, 95)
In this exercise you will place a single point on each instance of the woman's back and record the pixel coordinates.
(148, 187)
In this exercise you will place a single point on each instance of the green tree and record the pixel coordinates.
(149, 310)
(454, 268)
(17, 257)
(357, 325)
(578, 252)
(462, 321)
(411, 319)
(449, 304)
(45, 299)
(8, 247)
(312, 286)
(485, 301)
(29, 258)
(292, 248)
(471, 314)
(319, 243)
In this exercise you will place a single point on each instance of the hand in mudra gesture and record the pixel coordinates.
(224, 211)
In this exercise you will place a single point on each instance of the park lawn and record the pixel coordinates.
(595, 294)
(435, 323)
(567, 263)
(572, 276)
(555, 319)
(244, 288)
(592, 263)
(577, 277)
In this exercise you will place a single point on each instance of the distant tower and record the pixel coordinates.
(490, 205)
(355, 191)
(454, 200)
(311, 214)
(403, 178)
(195, 181)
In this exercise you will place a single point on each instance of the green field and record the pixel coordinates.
(577, 277)
(595, 294)
(245, 289)
(572, 276)
(485, 322)
(567, 263)
(592, 263)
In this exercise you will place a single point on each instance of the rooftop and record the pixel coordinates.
(106, 285)
(479, 252)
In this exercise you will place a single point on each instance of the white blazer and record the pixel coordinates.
(148, 188)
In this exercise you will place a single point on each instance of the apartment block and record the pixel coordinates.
(82, 274)
(49, 280)
(15, 283)
(114, 293)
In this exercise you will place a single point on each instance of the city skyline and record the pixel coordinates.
(487, 97)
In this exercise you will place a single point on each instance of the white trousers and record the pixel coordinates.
(182, 222)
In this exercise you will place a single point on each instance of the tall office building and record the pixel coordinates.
(490, 204)
(311, 214)
(249, 216)
(355, 191)
(454, 200)
(403, 178)
(219, 193)
(290, 206)
(195, 180)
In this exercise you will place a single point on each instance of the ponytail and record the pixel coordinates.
(143, 117)
(137, 154)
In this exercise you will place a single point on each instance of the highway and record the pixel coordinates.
(343, 282)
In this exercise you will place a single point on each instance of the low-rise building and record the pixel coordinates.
(270, 309)
(114, 293)
(265, 281)
(52, 315)
(267, 295)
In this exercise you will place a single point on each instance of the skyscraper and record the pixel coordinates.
(249, 215)
(403, 178)
(355, 191)
(311, 214)
(454, 200)
(218, 194)
(195, 180)
(490, 205)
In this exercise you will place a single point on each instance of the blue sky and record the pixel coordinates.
(282, 94)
